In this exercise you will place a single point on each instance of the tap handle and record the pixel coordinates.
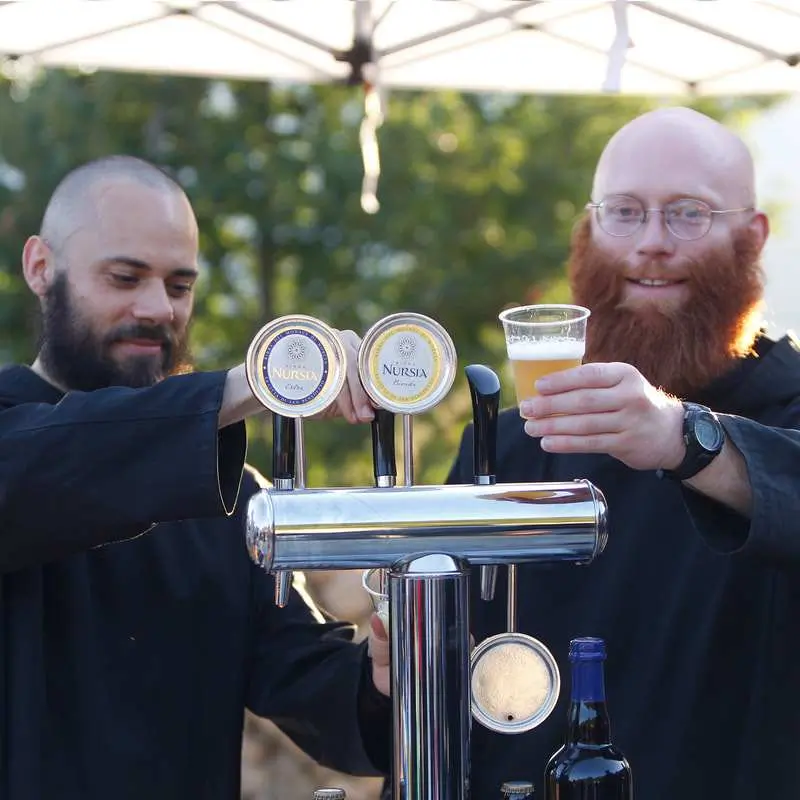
(284, 441)
(484, 388)
(283, 451)
(488, 581)
(283, 583)
(383, 452)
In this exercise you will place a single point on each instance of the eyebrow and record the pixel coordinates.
(710, 197)
(137, 263)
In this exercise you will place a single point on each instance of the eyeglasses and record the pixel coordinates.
(687, 218)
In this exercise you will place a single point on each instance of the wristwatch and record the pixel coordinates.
(703, 436)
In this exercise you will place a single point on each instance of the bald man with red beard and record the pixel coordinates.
(685, 415)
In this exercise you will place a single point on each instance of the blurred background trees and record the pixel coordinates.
(478, 197)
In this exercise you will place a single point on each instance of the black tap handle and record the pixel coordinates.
(484, 388)
(383, 453)
(283, 444)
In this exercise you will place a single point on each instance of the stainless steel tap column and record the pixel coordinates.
(427, 537)
(406, 530)
(430, 678)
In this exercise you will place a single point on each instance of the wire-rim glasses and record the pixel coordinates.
(687, 218)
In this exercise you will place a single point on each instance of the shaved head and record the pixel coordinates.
(76, 201)
(674, 143)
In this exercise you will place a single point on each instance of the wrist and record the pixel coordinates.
(238, 400)
(675, 450)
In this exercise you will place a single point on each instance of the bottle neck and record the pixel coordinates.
(588, 714)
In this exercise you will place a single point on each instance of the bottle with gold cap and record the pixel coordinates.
(517, 790)
(330, 793)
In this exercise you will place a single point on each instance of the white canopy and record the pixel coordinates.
(664, 47)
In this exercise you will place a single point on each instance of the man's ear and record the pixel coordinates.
(760, 224)
(38, 265)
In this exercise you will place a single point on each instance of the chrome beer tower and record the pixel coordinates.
(426, 538)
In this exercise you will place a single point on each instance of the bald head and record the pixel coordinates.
(677, 152)
(77, 200)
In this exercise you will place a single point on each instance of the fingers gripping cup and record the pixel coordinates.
(542, 339)
(374, 582)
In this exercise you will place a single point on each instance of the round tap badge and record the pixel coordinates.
(296, 366)
(407, 363)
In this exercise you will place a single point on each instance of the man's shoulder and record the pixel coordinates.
(20, 384)
(513, 444)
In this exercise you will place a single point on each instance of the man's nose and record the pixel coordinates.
(153, 304)
(654, 238)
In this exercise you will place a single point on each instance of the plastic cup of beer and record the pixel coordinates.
(374, 583)
(541, 339)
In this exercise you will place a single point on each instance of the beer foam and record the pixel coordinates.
(550, 350)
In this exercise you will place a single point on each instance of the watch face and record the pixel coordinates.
(708, 433)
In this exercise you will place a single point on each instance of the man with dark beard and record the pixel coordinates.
(698, 591)
(135, 629)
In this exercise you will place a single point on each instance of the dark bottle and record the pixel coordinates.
(517, 790)
(588, 766)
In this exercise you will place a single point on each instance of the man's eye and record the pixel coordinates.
(688, 213)
(129, 280)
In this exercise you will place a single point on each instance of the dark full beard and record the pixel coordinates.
(682, 349)
(76, 358)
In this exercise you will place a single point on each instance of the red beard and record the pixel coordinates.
(683, 349)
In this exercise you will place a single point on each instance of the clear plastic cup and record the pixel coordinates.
(374, 583)
(542, 339)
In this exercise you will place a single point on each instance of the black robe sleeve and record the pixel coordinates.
(772, 457)
(104, 466)
(314, 682)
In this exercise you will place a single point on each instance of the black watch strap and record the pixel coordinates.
(704, 438)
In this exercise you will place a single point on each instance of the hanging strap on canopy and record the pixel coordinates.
(619, 47)
(368, 138)
(368, 75)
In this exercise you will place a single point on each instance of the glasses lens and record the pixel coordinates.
(688, 219)
(618, 215)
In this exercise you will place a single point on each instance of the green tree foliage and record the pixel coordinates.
(478, 197)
